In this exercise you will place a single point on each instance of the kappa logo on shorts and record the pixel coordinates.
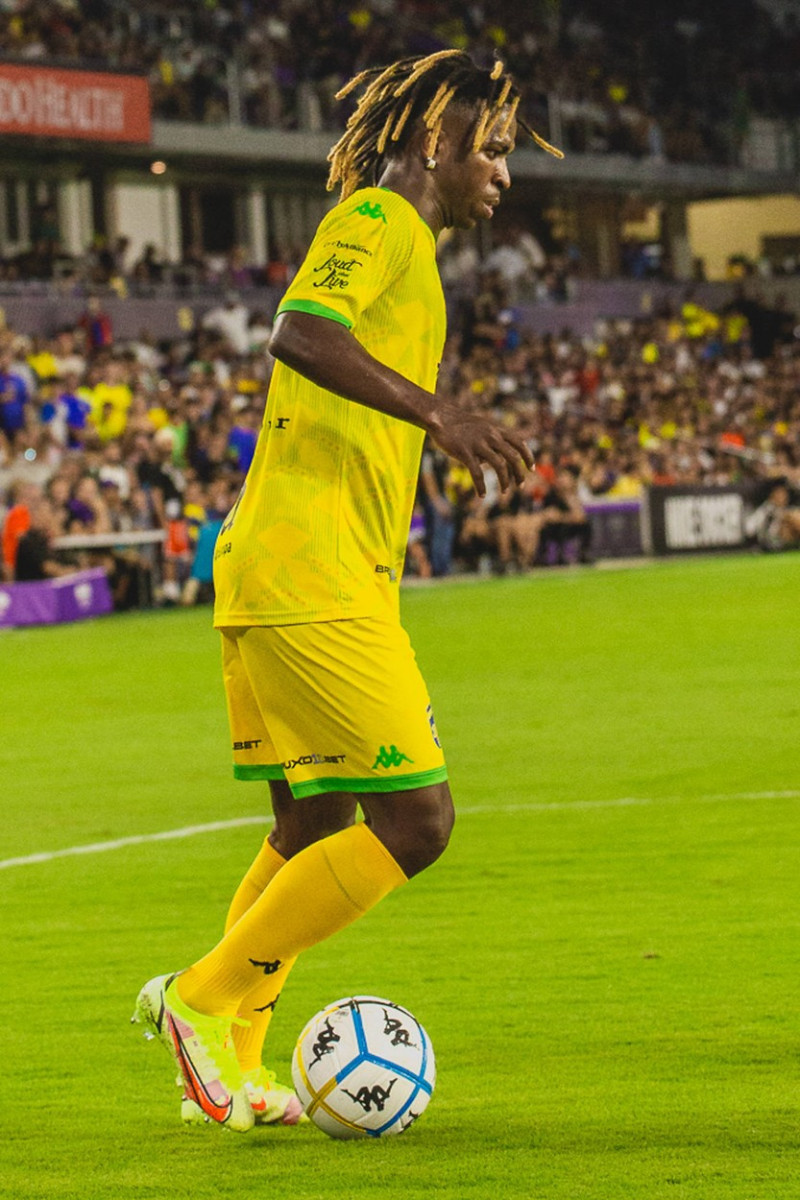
(307, 760)
(390, 758)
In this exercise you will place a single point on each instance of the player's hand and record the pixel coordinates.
(477, 441)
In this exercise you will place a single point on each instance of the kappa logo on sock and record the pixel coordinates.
(268, 1007)
(269, 968)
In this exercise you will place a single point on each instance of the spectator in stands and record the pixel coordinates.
(35, 558)
(67, 414)
(231, 320)
(418, 562)
(277, 272)
(775, 524)
(14, 398)
(199, 587)
(438, 517)
(59, 492)
(244, 434)
(87, 508)
(564, 521)
(17, 522)
(96, 325)
(149, 267)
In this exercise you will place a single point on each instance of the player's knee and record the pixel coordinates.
(433, 836)
(300, 823)
(416, 832)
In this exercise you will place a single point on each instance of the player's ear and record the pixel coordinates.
(423, 147)
(456, 132)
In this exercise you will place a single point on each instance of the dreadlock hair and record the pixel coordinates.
(395, 98)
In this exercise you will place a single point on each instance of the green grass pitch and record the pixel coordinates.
(606, 958)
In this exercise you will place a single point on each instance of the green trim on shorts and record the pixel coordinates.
(315, 309)
(260, 771)
(393, 783)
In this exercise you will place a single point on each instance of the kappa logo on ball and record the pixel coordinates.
(363, 1067)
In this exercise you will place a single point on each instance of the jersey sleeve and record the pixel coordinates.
(360, 247)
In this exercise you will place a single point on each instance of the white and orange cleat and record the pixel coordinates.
(203, 1049)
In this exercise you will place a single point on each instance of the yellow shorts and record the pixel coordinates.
(338, 706)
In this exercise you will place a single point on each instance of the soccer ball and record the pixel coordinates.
(363, 1067)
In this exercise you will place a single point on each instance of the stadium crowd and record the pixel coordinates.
(99, 437)
(678, 81)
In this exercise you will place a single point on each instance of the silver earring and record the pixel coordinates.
(430, 164)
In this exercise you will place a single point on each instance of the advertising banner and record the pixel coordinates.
(616, 528)
(679, 520)
(48, 102)
(51, 601)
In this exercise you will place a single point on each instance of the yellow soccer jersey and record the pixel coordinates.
(319, 531)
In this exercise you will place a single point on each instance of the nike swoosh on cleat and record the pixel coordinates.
(194, 1085)
(159, 1020)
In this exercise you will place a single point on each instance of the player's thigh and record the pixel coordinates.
(346, 705)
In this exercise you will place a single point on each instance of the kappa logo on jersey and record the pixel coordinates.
(371, 210)
(390, 758)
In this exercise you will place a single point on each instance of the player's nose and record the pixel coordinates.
(502, 174)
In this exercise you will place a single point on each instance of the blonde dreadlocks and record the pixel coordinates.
(396, 97)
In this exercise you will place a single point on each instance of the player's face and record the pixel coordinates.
(472, 181)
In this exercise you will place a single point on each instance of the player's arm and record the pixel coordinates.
(328, 354)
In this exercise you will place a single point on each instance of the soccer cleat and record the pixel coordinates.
(150, 1011)
(202, 1047)
(272, 1103)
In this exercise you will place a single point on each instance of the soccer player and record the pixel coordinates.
(325, 699)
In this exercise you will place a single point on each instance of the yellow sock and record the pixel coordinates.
(263, 869)
(318, 892)
(256, 1008)
(258, 1005)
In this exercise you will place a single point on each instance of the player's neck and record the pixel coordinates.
(414, 184)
